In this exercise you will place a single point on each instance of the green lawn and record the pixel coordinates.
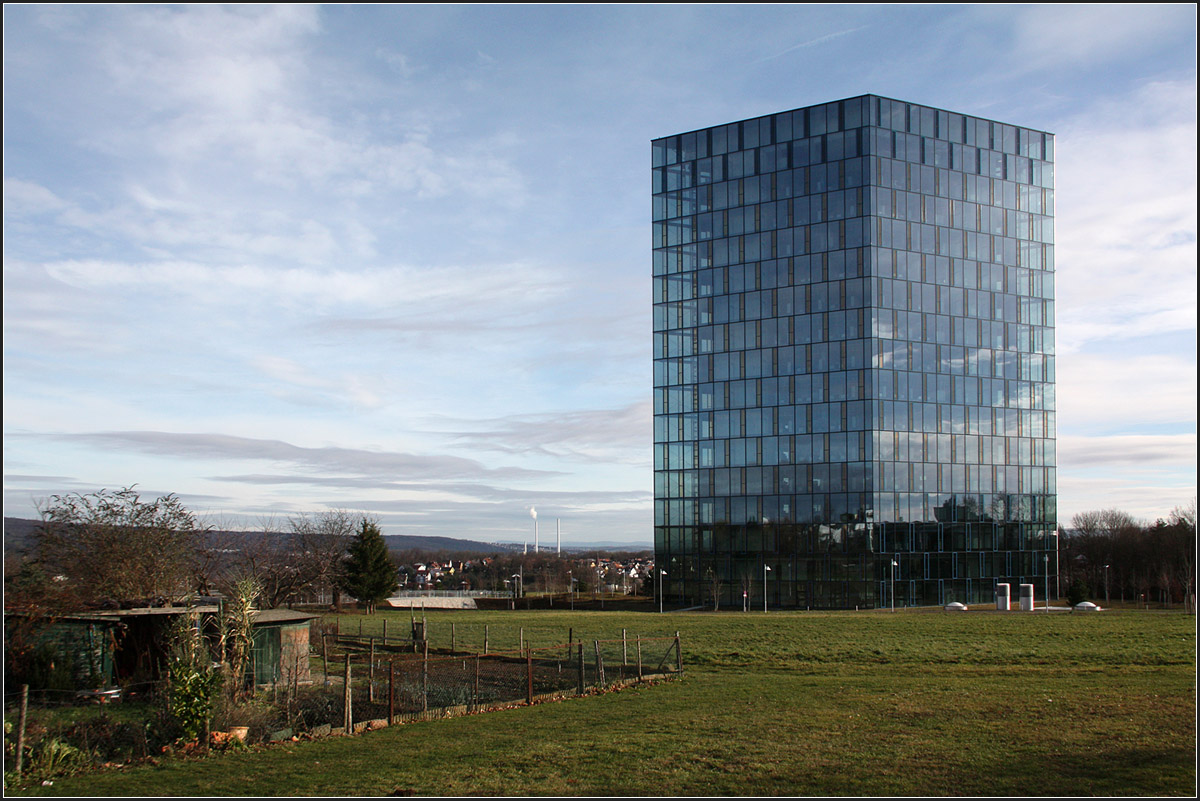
(845, 703)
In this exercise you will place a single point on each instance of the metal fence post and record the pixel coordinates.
(475, 694)
(639, 657)
(678, 656)
(425, 679)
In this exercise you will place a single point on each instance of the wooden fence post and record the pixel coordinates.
(452, 638)
(371, 674)
(475, 693)
(391, 692)
(529, 677)
(485, 638)
(624, 654)
(425, 679)
(581, 668)
(21, 717)
(325, 657)
(385, 631)
(522, 632)
(348, 717)
(599, 665)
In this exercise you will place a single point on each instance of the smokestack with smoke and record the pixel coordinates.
(533, 514)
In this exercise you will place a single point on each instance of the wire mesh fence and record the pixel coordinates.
(356, 682)
(369, 679)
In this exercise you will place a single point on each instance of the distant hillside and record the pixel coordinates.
(19, 533)
(407, 542)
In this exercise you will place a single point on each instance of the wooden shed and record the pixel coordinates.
(281, 646)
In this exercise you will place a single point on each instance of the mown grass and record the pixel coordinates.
(868, 703)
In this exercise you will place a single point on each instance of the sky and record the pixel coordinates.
(396, 259)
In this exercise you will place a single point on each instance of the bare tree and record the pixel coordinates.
(714, 587)
(322, 541)
(293, 560)
(111, 544)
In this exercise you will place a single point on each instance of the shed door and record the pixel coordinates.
(266, 655)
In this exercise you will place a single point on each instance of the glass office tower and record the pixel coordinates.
(853, 358)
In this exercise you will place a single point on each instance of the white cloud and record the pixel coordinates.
(1125, 391)
(1126, 218)
(1085, 33)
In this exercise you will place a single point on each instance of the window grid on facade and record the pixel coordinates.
(854, 356)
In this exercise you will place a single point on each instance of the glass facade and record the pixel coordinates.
(854, 358)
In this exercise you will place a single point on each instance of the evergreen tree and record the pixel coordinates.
(367, 572)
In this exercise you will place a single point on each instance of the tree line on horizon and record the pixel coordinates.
(112, 547)
(1108, 554)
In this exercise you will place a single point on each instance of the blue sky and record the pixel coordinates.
(396, 259)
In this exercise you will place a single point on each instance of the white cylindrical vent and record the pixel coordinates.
(1003, 597)
(1026, 597)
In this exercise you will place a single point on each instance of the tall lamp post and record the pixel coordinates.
(766, 569)
(895, 564)
(1106, 599)
(1046, 578)
(661, 587)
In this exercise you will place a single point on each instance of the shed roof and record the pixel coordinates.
(282, 616)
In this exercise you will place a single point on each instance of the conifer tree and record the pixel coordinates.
(367, 572)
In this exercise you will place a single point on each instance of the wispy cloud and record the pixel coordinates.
(829, 37)
(1152, 389)
(1177, 450)
(1126, 248)
(605, 435)
(351, 461)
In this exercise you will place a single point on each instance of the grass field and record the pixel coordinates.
(808, 703)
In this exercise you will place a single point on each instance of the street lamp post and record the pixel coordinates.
(1046, 578)
(661, 589)
(1106, 598)
(895, 564)
(766, 569)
